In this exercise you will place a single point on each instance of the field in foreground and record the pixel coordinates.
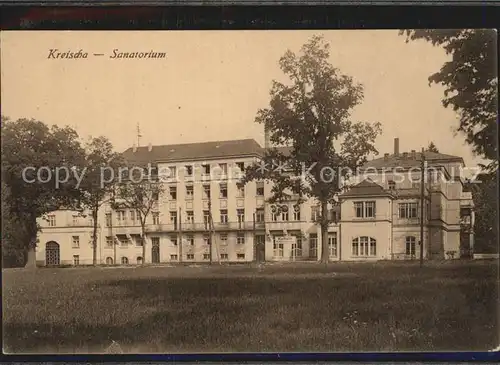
(290, 307)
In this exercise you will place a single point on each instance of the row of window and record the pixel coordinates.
(206, 256)
(174, 257)
(109, 260)
(240, 214)
(278, 246)
(332, 244)
(361, 246)
(121, 216)
(189, 239)
(206, 169)
(240, 192)
(366, 209)
(155, 241)
(367, 246)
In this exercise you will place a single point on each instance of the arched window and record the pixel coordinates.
(364, 246)
(139, 260)
(411, 243)
(124, 260)
(109, 261)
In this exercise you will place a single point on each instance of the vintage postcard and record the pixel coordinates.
(249, 191)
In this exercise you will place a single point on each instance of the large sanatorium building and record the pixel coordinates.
(377, 219)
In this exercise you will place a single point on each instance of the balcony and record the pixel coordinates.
(126, 230)
(169, 227)
(260, 225)
(204, 227)
(237, 225)
(191, 226)
(284, 225)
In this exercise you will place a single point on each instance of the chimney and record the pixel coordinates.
(413, 154)
(134, 148)
(267, 138)
(396, 146)
(386, 156)
(150, 147)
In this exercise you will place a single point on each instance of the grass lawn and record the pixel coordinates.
(290, 307)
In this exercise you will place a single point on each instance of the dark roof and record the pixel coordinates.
(410, 161)
(193, 151)
(365, 188)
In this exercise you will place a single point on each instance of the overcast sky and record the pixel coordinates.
(212, 83)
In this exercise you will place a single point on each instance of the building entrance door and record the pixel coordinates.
(155, 252)
(52, 254)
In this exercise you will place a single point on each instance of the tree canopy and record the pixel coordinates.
(32, 155)
(471, 83)
(471, 86)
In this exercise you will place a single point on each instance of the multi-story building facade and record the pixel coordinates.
(381, 216)
(374, 220)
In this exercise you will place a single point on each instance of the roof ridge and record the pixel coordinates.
(194, 150)
(197, 143)
(369, 182)
(400, 155)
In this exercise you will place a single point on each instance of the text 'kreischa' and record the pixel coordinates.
(55, 53)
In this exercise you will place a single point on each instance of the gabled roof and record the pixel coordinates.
(193, 151)
(365, 188)
(411, 160)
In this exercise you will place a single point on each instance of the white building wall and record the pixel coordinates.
(380, 231)
(379, 228)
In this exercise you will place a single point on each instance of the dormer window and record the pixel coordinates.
(392, 185)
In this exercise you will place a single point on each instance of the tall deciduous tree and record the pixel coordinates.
(140, 193)
(471, 83)
(31, 154)
(102, 170)
(311, 115)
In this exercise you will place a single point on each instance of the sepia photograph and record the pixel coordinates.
(243, 191)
